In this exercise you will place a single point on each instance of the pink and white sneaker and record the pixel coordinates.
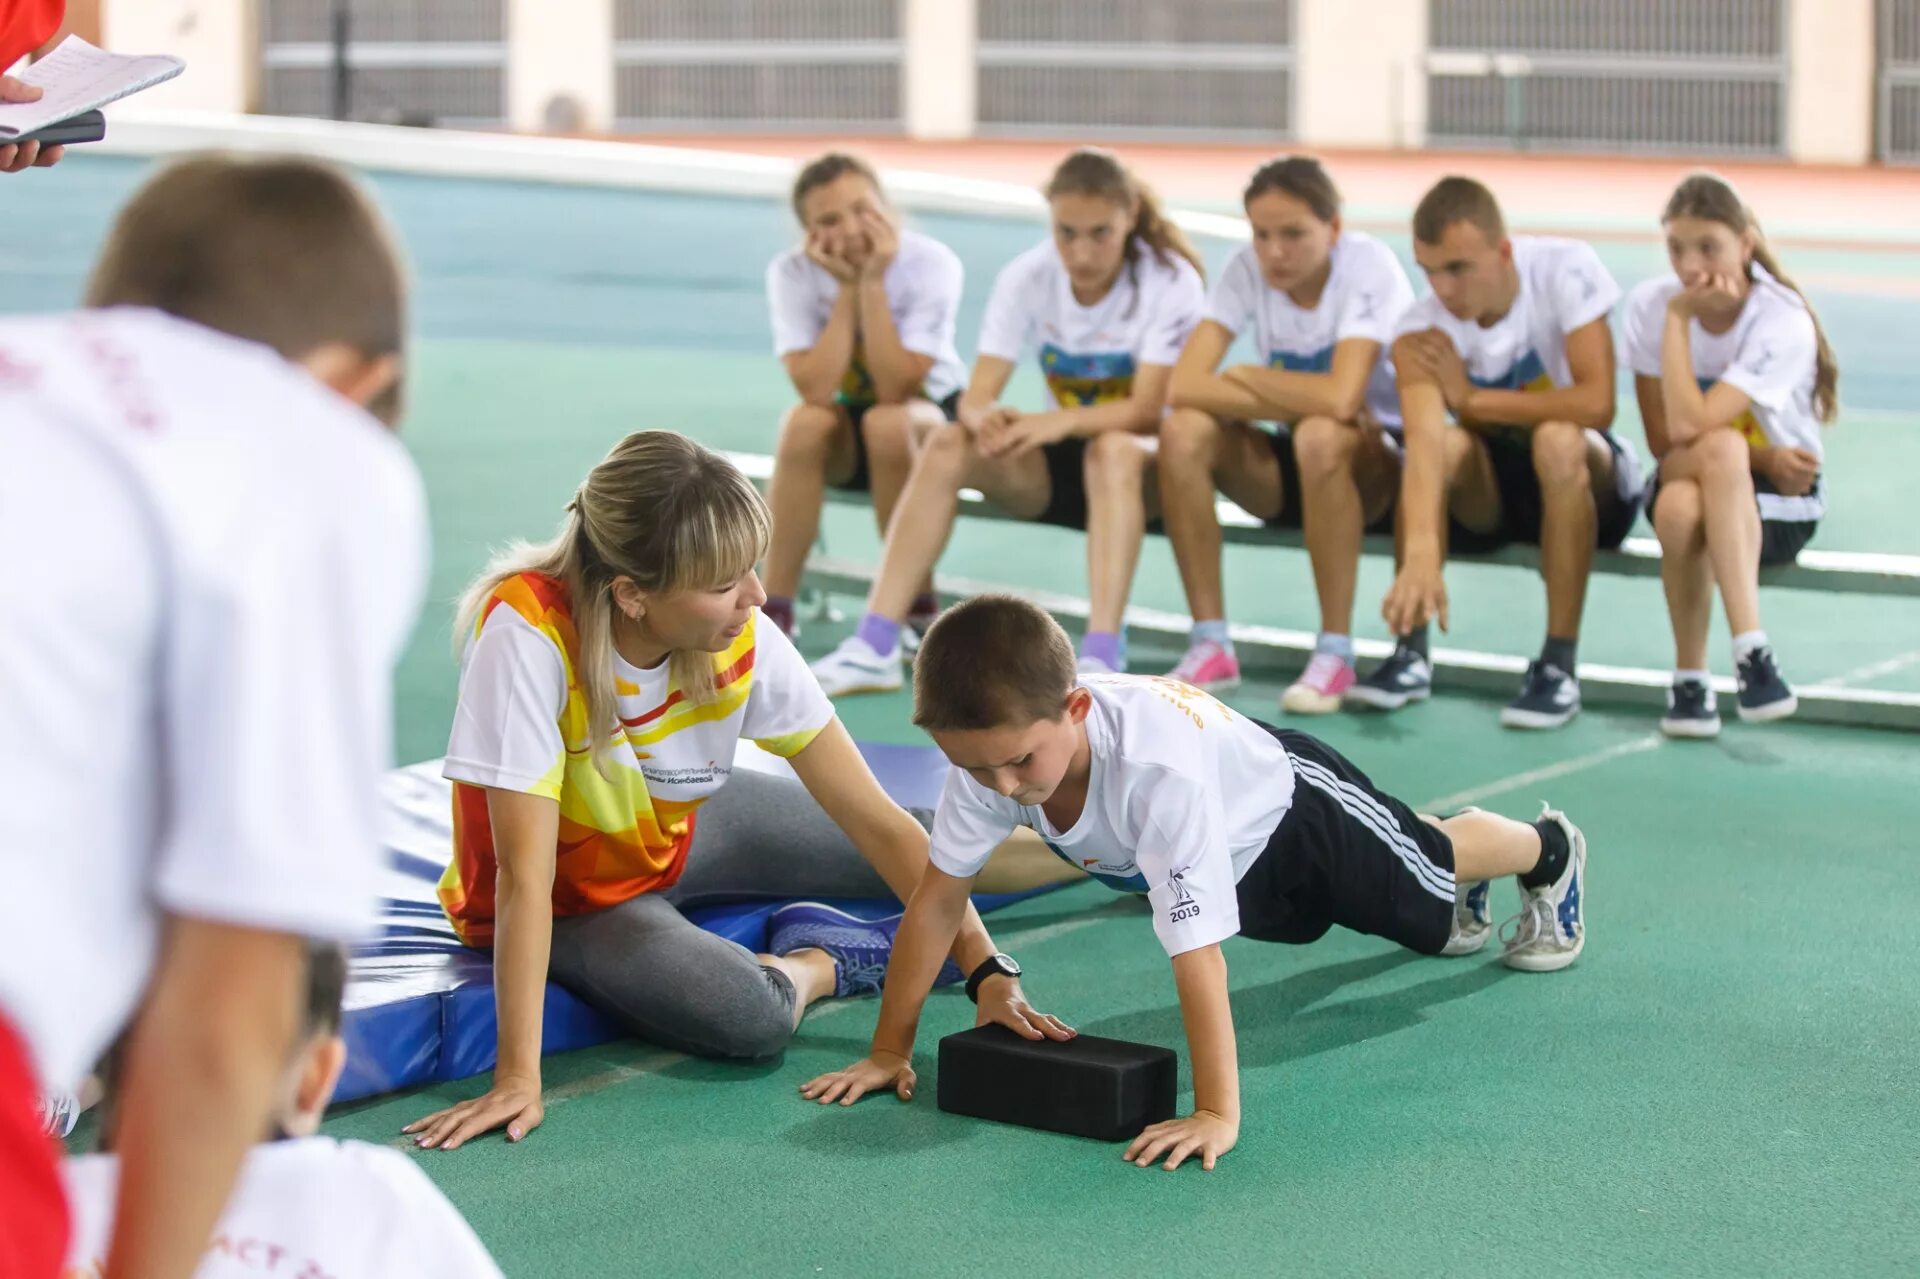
(1209, 667)
(1320, 686)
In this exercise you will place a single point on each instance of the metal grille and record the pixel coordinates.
(759, 64)
(1897, 127)
(1616, 75)
(1137, 68)
(401, 61)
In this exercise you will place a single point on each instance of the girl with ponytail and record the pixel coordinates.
(1735, 381)
(1106, 304)
(606, 679)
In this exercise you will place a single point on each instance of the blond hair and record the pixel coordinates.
(658, 509)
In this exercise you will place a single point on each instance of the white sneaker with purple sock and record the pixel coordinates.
(1101, 653)
(868, 661)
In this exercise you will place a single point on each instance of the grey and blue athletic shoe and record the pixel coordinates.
(1764, 694)
(859, 947)
(1551, 929)
(1691, 711)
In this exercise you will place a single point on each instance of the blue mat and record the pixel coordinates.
(419, 1005)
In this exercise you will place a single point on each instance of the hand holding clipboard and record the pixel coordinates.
(58, 99)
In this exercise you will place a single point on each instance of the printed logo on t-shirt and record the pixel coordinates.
(709, 774)
(1293, 362)
(1528, 373)
(1192, 701)
(1086, 380)
(1122, 877)
(1184, 907)
(1746, 423)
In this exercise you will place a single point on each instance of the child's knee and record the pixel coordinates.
(887, 429)
(806, 431)
(1560, 455)
(1722, 452)
(946, 451)
(1189, 438)
(1114, 458)
(1677, 512)
(1324, 448)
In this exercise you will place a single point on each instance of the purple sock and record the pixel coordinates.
(881, 634)
(1102, 646)
(779, 611)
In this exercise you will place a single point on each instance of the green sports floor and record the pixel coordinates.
(1723, 1085)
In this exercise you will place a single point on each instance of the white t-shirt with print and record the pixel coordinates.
(1563, 288)
(1366, 292)
(1183, 796)
(312, 1208)
(1768, 353)
(923, 285)
(1089, 354)
(513, 687)
(216, 562)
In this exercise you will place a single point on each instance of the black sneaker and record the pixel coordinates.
(1549, 697)
(1690, 710)
(1404, 677)
(1763, 694)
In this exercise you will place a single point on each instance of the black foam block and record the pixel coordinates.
(1107, 1089)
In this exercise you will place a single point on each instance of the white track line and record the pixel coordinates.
(1872, 670)
(1566, 767)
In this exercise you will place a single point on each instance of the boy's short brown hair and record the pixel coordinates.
(279, 250)
(995, 661)
(1458, 199)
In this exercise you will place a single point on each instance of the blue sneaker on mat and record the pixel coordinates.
(859, 947)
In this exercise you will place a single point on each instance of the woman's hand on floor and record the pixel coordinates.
(512, 1102)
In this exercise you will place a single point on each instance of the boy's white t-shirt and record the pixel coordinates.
(1366, 292)
(1563, 288)
(1089, 354)
(215, 564)
(1769, 353)
(1183, 796)
(311, 1208)
(923, 284)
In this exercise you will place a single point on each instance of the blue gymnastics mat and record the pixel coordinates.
(419, 1005)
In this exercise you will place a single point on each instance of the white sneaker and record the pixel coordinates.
(59, 1112)
(855, 668)
(1550, 931)
(1471, 921)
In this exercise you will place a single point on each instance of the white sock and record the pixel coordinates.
(1681, 677)
(1746, 641)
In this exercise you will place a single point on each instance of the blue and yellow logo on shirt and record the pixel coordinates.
(1086, 380)
(1293, 362)
(1134, 883)
(1528, 373)
(1746, 423)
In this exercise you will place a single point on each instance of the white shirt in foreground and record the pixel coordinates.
(214, 564)
(1089, 354)
(1366, 292)
(1768, 353)
(313, 1208)
(1563, 288)
(923, 284)
(1183, 797)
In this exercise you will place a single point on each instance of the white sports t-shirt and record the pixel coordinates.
(1563, 288)
(1183, 797)
(312, 1208)
(1768, 353)
(215, 562)
(1089, 354)
(923, 295)
(1366, 291)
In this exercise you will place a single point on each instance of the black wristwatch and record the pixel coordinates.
(1003, 965)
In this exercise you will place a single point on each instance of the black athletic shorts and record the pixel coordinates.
(1511, 452)
(1781, 541)
(862, 479)
(1347, 853)
(1292, 506)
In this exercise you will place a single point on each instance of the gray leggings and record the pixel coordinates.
(674, 984)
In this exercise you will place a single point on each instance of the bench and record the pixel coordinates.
(1266, 648)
